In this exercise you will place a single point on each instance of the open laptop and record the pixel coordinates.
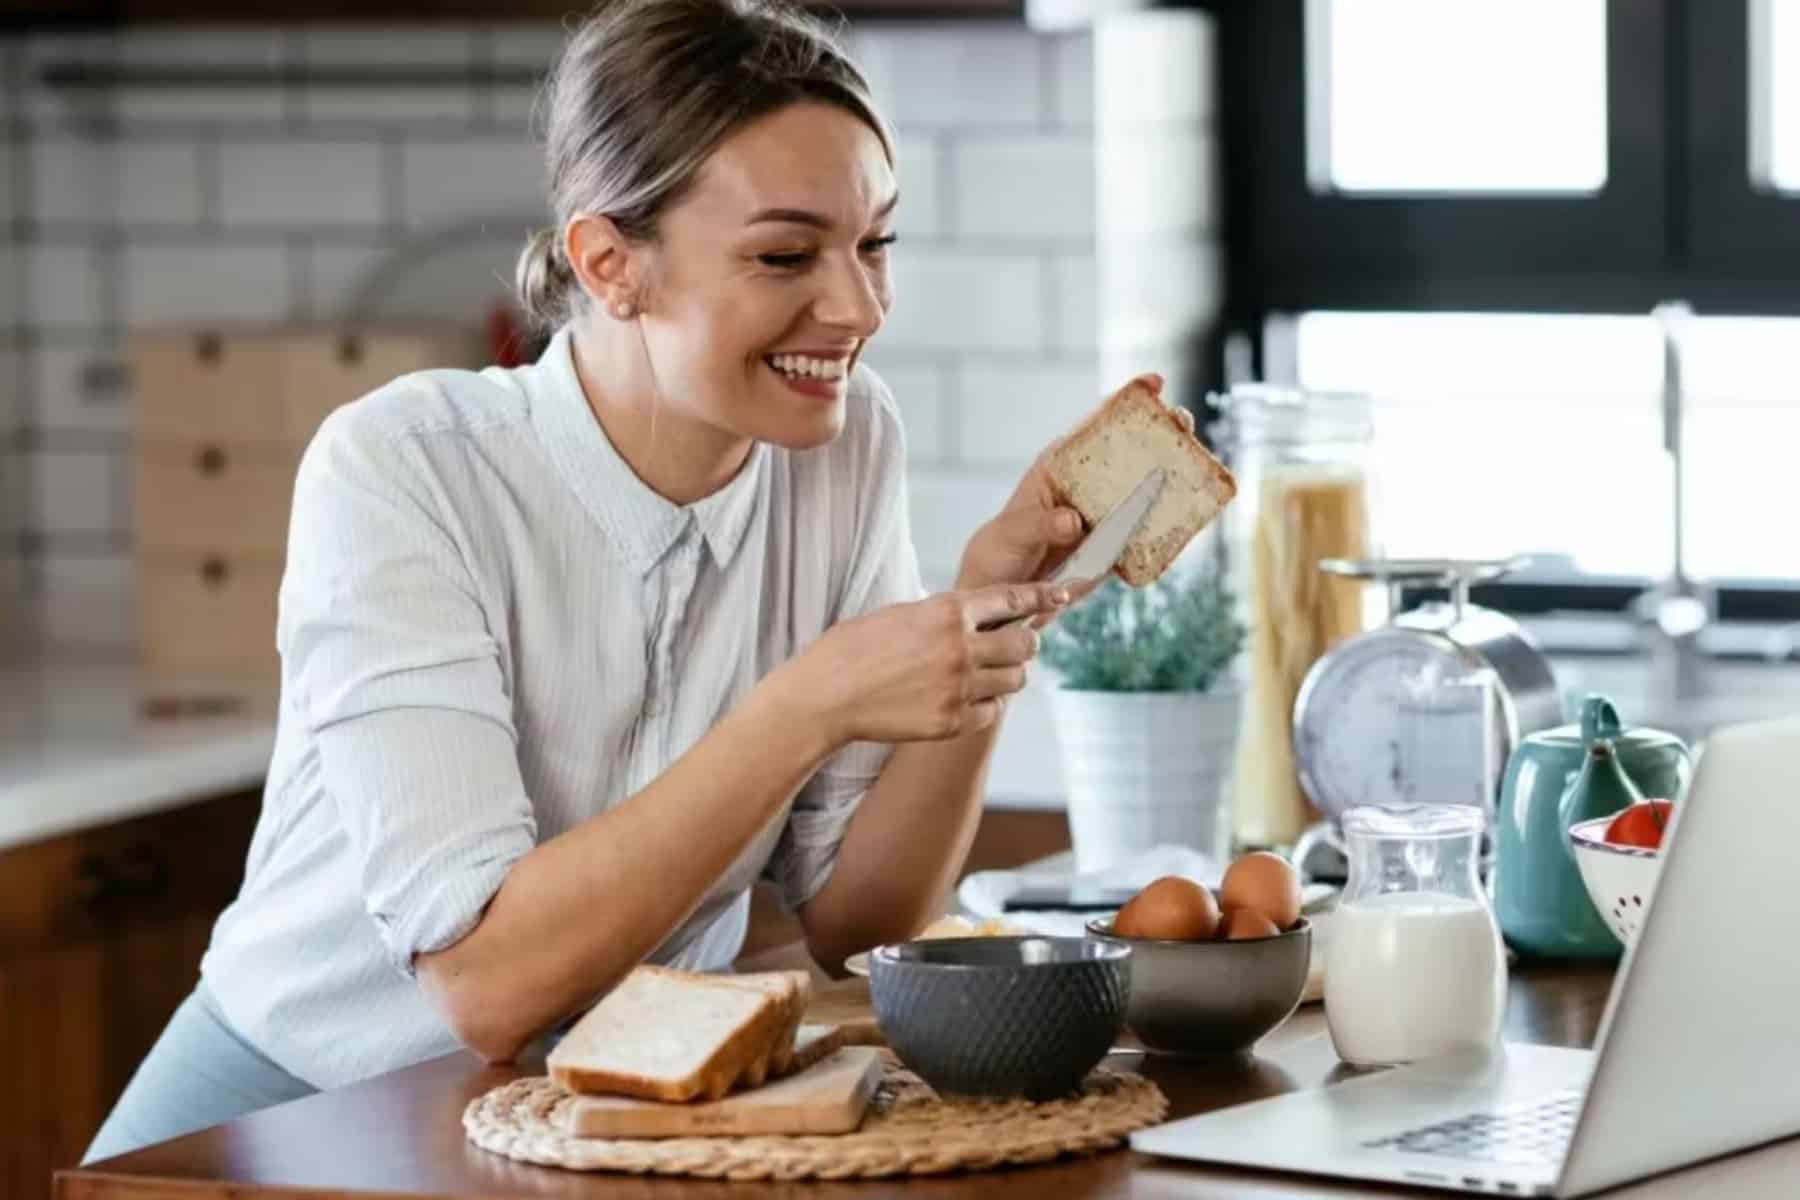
(1698, 1053)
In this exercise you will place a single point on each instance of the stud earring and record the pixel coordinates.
(623, 310)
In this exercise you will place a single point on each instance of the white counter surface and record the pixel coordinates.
(76, 752)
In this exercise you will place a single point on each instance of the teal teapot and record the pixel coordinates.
(1553, 780)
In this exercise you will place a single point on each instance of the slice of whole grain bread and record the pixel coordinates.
(1110, 452)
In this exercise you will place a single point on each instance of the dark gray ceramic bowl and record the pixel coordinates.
(1211, 997)
(1024, 1016)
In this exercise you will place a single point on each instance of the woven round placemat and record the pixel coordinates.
(909, 1130)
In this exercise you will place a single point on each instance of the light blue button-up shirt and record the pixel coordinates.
(492, 630)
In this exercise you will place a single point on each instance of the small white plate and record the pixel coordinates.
(952, 926)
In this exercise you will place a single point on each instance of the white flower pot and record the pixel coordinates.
(1143, 769)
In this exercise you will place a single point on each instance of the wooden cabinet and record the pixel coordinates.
(101, 934)
(221, 418)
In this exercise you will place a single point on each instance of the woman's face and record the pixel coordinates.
(770, 276)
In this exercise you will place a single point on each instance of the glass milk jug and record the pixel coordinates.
(1414, 966)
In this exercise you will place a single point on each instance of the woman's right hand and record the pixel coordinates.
(930, 669)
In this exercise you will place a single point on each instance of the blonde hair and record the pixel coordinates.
(642, 94)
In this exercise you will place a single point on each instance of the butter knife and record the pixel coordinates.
(1102, 547)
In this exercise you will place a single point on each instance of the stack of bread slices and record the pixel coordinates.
(677, 1036)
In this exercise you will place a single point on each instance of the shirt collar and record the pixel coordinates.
(643, 523)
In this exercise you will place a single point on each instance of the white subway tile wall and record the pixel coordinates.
(167, 284)
(532, 47)
(164, 184)
(12, 178)
(1155, 66)
(496, 179)
(73, 181)
(262, 49)
(74, 493)
(1014, 409)
(922, 212)
(64, 286)
(1157, 290)
(948, 503)
(922, 387)
(514, 48)
(45, 107)
(376, 48)
(960, 297)
(86, 600)
(16, 611)
(288, 199)
(1159, 276)
(960, 76)
(1071, 66)
(1159, 179)
(1075, 315)
(1025, 185)
(291, 183)
(13, 365)
(73, 388)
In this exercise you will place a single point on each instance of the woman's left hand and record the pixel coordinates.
(1028, 539)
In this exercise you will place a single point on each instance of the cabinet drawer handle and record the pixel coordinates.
(210, 461)
(138, 875)
(214, 572)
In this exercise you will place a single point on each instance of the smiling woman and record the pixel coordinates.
(574, 653)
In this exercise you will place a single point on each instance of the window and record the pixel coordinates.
(1492, 429)
(1774, 51)
(1497, 301)
(1531, 189)
(1423, 96)
(1502, 434)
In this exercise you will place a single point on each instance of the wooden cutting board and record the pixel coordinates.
(828, 1097)
(846, 1004)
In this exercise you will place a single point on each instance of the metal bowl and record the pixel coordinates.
(1211, 997)
(987, 1016)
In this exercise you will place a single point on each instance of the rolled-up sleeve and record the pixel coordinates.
(388, 657)
(885, 572)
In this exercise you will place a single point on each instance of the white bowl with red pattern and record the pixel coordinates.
(1620, 879)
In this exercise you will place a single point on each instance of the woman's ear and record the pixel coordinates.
(604, 264)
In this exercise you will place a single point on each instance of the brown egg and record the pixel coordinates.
(1240, 923)
(1171, 908)
(1264, 882)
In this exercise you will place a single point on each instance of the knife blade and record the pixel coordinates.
(1102, 547)
(1097, 553)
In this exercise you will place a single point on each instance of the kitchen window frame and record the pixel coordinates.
(1678, 217)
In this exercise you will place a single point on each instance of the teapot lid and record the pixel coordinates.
(1600, 720)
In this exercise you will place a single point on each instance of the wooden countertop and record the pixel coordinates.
(401, 1134)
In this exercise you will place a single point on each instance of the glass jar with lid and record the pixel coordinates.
(1414, 965)
(1301, 462)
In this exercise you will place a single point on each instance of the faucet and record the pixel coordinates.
(1674, 613)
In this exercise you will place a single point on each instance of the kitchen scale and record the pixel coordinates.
(1425, 710)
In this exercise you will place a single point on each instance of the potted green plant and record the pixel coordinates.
(1146, 714)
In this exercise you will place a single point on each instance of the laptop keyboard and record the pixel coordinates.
(1536, 1131)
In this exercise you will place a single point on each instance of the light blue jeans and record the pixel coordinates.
(200, 1072)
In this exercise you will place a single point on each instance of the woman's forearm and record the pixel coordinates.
(904, 849)
(580, 910)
